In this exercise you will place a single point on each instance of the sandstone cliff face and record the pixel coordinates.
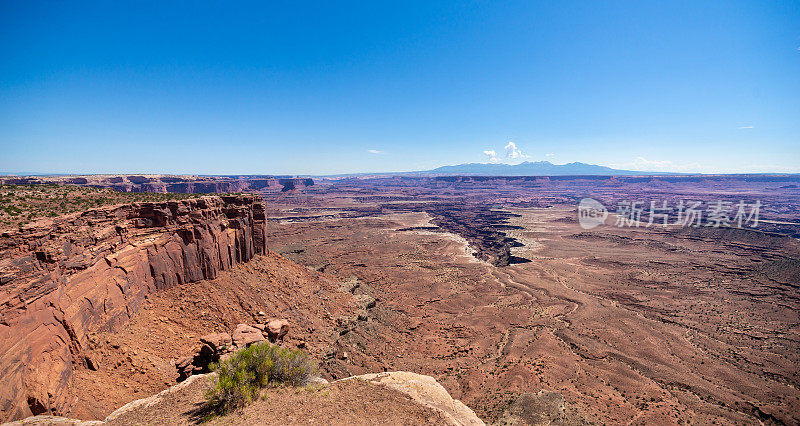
(63, 278)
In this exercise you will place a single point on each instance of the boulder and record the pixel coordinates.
(183, 362)
(276, 329)
(245, 335)
(185, 367)
(92, 363)
(212, 347)
(219, 342)
(215, 347)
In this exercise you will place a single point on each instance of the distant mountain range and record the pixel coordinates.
(527, 168)
(537, 168)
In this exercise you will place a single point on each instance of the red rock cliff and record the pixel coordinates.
(63, 278)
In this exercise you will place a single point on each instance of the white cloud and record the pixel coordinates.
(745, 127)
(492, 156)
(549, 155)
(375, 151)
(513, 152)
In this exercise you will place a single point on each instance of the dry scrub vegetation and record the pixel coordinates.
(242, 376)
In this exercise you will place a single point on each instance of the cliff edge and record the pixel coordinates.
(65, 277)
(387, 398)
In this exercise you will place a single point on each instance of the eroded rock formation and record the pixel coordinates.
(65, 277)
(214, 346)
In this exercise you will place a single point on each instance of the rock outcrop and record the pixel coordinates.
(66, 277)
(245, 335)
(212, 348)
(276, 329)
(215, 346)
(427, 391)
(179, 405)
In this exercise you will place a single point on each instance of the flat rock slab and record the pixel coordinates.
(427, 391)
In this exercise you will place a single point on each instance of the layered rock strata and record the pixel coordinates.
(64, 278)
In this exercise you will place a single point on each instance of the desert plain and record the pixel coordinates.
(630, 324)
(490, 285)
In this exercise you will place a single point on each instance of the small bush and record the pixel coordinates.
(242, 376)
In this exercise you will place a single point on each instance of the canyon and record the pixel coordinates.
(629, 323)
(489, 285)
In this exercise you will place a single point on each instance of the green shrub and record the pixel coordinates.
(242, 376)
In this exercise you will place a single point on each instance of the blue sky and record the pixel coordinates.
(334, 87)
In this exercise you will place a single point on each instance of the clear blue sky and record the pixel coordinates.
(315, 88)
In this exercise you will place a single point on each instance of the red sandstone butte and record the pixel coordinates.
(63, 278)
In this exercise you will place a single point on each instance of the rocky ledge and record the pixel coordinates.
(171, 405)
(427, 391)
(216, 346)
(65, 277)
